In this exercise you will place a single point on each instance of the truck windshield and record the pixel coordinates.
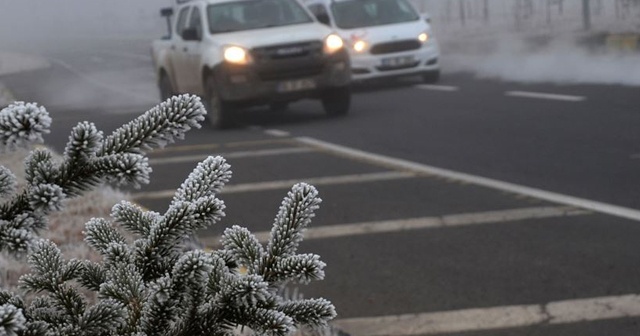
(366, 13)
(255, 14)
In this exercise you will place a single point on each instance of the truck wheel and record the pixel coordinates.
(279, 107)
(336, 101)
(166, 91)
(431, 76)
(218, 111)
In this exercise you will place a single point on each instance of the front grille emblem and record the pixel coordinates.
(289, 51)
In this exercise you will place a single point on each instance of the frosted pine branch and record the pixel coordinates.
(157, 127)
(12, 322)
(7, 182)
(22, 124)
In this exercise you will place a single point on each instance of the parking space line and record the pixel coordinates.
(493, 318)
(399, 225)
(211, 146)
(541, 95)
(431, 87)
(285, 184)
(277, 133)
(231, 155)
(405, 165)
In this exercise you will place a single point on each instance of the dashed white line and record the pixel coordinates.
(285, 184)
(399, 225)
(405, 165)
(493, 318)
(541, 95)
(444, 88)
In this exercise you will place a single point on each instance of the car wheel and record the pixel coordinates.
(218, 111)
(279, 107)
(431, 76)
(166, 90)
(336, 101)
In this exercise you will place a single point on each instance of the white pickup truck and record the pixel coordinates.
(239, 53)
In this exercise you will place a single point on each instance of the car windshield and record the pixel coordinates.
(367, 13)
(255, 14)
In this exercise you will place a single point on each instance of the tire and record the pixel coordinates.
(431, 76)
(336, 101)
(165, 87)
(279, 107)
(219, 112)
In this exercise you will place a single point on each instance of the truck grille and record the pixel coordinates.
(396, 46)
(289, 61)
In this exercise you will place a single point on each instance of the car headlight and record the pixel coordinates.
(424, 37)
(359, 46)
(236, 55)
(333, 43)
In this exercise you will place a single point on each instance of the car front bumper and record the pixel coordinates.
(284, 81)
(366, 66)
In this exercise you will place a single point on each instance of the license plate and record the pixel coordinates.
(296, 85)
(393, 62)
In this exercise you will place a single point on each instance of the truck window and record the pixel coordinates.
(255, 14)
(196, 21)
(182, 20)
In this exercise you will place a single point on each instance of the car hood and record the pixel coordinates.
(274, 35)
(386, 33)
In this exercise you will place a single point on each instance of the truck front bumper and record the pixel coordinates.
(266, 83)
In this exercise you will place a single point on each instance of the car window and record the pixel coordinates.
(196, 21)
(255, 14)
(366, 13)
(182, 20)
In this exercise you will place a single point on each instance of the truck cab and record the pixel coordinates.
(384, 37)
(240, 53)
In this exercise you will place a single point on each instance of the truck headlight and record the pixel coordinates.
(424, 37)
(236, 55)
(333, 43)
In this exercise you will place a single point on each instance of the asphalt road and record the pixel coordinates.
(537, 237)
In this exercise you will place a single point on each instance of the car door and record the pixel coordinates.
(192, 54)
(178, 53)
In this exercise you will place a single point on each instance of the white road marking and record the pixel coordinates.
(444, 88)
(399, 225)
(231, 155)
(277, 133)
(405, 165)
(286, 184)
(540, 95)
(493, 318)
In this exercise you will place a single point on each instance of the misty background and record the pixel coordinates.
(522, 40)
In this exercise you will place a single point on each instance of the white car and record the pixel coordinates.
(384, 37)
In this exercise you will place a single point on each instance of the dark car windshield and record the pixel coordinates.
(254, 14)
(366, 13)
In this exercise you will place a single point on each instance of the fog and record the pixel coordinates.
(58, 24)
(538, 43)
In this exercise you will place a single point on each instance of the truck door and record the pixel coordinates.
(192, 54)
(178, 55)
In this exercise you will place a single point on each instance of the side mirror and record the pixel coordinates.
(190, 34)
(167, 11)
(324, 18)
(426, 17)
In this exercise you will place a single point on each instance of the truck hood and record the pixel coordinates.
(275, 35)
